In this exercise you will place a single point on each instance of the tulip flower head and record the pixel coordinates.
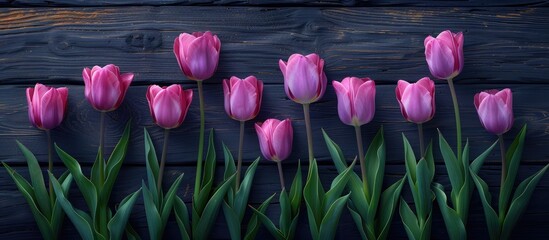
(105, 87)
(46, 105)
(242, 97)
(495, 110)
(197, 54)
(304, 78)
(275, 138)
(356, 100)
(169, 105)
(416, 100)
(444, 54)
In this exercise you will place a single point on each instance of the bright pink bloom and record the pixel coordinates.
(197, 54)
(46, 105)
(417, 100)
(304, 78)
(169, 105)
(495, 110)
(105, 87)
(356, 100)
(444, 54)
(242, 97)
(275, 138)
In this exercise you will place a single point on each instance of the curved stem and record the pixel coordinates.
(309, 131)
(421, 141)
(240, 146)
(198, 180)
(163, 160)
(458, 121)
(281, 175)
(50, 165)
(360, 146)
(503, 163)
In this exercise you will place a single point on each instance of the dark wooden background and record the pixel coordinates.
(506, 45)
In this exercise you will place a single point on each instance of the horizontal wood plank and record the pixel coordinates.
(78, 134)
(16, 220)
(52, 45)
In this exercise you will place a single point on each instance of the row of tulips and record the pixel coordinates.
(305, 83)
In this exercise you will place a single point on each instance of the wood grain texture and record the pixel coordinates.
(52, 45)
(16, 220)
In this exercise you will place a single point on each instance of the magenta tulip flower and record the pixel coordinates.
(417, 100)
(242, 97)
(495, 110)
(46, 105)
(304, 78)
(444, 54)
(105, 87)
(197, 54)
(356, 100)
(169, 105)
(275, 138)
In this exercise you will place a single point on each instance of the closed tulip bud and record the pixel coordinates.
(275, 138)
(105, 87)
(197, 54)
(444, 54)
(169, 105)
(242, 97)
(495, 110)
(356, 100)
(417, 100)
(46, 106)
(304, 78)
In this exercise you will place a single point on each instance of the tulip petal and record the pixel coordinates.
(105, 90)
(167, 109)
(303, 80)
(227, 96)
(51, 110)
(243, 101)
(458, 40)
(263, 142)
(440, 59)
(86, 75)
(401, 86)
(365, 102)
(343, 103)
(282, 139)
(202, 58)
(417, 102)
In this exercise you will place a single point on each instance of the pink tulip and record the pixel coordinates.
(444, 54)
(46, 105)
(105, 87)
(275, 138)
(169, 105)
(495, 110)
(356, 100)
(417, 100)
(304, 78)
(197, 54)
(242, 97)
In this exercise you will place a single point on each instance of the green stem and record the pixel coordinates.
(456, 113)
(102, 205)
(360, 146)
(50, 166)
(240, 146)
(198, 180)
(503, 162)
(421, 141)
(281, 175)
(163, 160)
(309, 131)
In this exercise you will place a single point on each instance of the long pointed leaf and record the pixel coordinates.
(182, 218)
(512, 158)
(453, 167)
(151, 213)
(255, 222)
(454, 225)
(151, 162)
(115, 163)
(241, 197)
(389, 202)
(233, 222)
(37, 180)
(275, 232)
(491, 216)
(169, 200)
(330, 222)
(211, 210)
(118, 222)
(409, 220)
(296, 190)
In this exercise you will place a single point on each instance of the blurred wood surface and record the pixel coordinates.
(506, 45)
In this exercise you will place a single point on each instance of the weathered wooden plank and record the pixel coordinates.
(16, 220)
(78, 134)
(276, 3)
(52, 45)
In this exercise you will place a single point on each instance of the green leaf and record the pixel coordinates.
(118, 222)
(410, 161)
(200, 201)
(296, 190)
(375, 170)
(477, 163)
(230, 168)
(491, 216)
(79, 219)
(58, 213)
(338, 184)
(409, 220)
(254, 223)
(233, 221)
(152, 165)
(211, 210)
(114, 164)
(313, 199)
(86, 187)
(182, 217)
(330, 222)
(169, 200)
(359, 224)
(453, 167)
(285, 212)
(131, 233)
(95, 176)
(335, 153)
(260, 213)
(520, 201)
(241, 197)
(152, 214)
(37, 180)
(388, 204)
(512, 158)
(424, 190)
(454, 225)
